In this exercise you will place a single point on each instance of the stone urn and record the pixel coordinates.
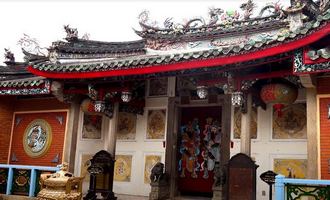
(60, 185)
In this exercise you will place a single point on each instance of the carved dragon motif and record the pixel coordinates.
(71, 33)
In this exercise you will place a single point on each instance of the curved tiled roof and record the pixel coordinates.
(25, 86)
(15, 79)
(91, 46)
(212, 31)
(255, 47)
(82, 48)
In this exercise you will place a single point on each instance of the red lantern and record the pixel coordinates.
(87, 106)
(278, 94)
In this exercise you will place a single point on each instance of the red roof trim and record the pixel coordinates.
(194, 63)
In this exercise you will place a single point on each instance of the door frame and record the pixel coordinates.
(173, 119)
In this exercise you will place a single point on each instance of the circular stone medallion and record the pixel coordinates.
(37, 138)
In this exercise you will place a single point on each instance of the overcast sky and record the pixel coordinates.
(103, 20)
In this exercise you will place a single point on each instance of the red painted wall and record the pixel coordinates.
(9, 105)
(56, 147)
(323, 85)
(39, 104)
(324, 138)
(6, 118)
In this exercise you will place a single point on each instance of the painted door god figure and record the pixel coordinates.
(189, 149)
(210, 146)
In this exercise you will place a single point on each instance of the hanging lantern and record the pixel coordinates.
(202, 92)
(278, 94)
(99, 106)
(88, 106)
(126, 96)
(237, 99)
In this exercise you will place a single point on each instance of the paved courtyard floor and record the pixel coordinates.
(119, 196)
(129, 197)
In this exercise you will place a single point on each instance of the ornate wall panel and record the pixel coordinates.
(156, 124)
(158, 87)
(291, 124)
(253, 125)
(84, 165)
(123, 168)
(292, 168)
(92, 125)
(149, 163)
(126, 126)
(38, 138)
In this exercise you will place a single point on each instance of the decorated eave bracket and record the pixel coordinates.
(320, 64)
(13, 89)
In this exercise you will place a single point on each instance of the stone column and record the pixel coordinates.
(110, 127)
(71, 135)
(219, 187)
(312, 140)
(309, 82)
(245, 128)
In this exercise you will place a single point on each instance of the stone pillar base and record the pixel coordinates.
(217, 193)
(159, 191)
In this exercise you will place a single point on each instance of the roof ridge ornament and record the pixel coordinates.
(274, 8)
(214, 15)
(248, 8)
(217, 19)
(324, 4)
(9, 57)
(295, 15)
(71, 33)
(31, 45)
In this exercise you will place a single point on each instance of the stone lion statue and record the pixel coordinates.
(157, 172)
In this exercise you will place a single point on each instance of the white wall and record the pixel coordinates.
(265, 149)
(87, 146)
(139, 148)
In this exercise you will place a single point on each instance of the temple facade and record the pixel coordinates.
(190, 95)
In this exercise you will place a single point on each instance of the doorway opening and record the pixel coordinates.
(198, 149)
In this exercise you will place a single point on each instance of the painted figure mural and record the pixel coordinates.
(200, 151)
